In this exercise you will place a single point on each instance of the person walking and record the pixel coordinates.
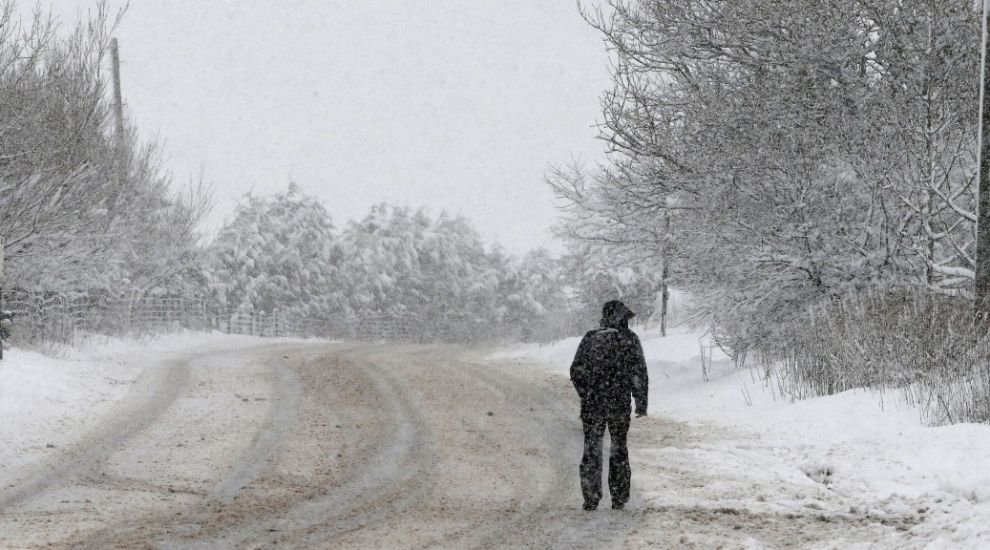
(608, 369)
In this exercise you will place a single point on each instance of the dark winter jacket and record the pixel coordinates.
(608, 368)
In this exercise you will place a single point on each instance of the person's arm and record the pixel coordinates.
(640, 377)
(579, 368)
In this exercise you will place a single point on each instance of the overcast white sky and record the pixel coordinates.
(455, 105)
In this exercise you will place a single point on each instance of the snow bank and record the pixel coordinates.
(866, 450)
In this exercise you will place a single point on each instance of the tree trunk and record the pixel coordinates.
(982, 283)
(664, 274)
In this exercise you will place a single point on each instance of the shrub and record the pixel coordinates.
(930, 347)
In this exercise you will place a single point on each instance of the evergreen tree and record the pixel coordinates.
(281, 253)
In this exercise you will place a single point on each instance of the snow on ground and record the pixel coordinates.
(51, 399)
(858, 446)
(853, 453)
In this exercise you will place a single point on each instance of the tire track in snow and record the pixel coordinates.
(156, 388)
(265, 443)
(395, 477)
(515, 473)
(534, 460)
(539, 497)
(249, 466)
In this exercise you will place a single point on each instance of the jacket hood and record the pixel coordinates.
(615, 314)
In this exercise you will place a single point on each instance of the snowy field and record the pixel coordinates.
(856, 447)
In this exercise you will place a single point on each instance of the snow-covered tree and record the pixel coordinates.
(281, 253)
(800, 151)
(596, 276)
(432, 274)
(438, 271)
(82, 208)
(56, 166)
(406, 263)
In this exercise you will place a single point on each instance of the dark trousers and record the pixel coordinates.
(618, 459)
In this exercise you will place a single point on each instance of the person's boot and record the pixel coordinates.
(618, 505)
(589, 506)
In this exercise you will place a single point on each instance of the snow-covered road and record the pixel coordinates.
(315, 445)
(312, 445)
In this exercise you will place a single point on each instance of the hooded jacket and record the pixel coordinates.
(609, 367)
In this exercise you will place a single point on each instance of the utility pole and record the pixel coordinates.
(118, 103)
(118, 115)
(982, 282)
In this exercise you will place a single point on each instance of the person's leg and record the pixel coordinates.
(619, 472)
(591, 462)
